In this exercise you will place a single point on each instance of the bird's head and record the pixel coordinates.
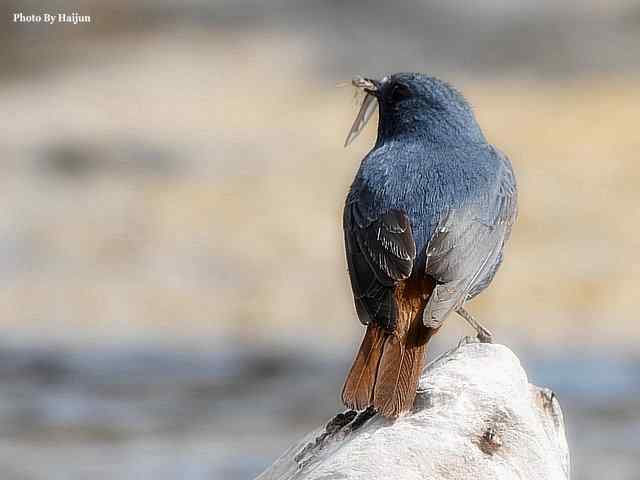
(413, 104)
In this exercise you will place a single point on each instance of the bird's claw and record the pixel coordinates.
(484, 336)
(467, 340)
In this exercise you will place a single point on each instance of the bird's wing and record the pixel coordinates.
(465, 250)
(380, 252)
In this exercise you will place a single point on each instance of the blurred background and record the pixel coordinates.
(174, 300)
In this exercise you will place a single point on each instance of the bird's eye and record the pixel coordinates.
(399, 92)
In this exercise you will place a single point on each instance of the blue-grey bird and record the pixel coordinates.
(425, 224)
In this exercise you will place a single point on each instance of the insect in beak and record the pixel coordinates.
(371, 87)
(367, 84)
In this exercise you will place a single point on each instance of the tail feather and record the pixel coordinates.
(388, 365)
(398, 375)
(357, 392)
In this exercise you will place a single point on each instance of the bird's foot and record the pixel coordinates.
(467, 340)
(483, 335)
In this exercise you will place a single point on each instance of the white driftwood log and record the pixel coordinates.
(476, 417)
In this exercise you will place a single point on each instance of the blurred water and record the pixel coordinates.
(135, 413)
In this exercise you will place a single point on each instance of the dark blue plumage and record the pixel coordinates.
(432, 200)
(431, 161)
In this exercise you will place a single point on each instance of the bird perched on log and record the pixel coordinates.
(425, 223)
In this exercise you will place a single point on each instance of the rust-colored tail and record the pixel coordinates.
(357, 392)
(387, 368)
(399, 370)
(386, 371)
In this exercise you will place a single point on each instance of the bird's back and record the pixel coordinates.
(427, 182)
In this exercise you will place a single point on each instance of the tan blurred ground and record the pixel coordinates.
(232, 227)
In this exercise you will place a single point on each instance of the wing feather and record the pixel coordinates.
(380, 253)
(465, 250)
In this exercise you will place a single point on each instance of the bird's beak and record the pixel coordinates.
(367, 84)
(372, 87)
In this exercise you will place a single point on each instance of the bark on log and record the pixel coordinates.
(476, 417)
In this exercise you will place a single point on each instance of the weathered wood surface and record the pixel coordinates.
(476, 417)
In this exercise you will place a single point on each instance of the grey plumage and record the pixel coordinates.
(432, 197)
(425, 223)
